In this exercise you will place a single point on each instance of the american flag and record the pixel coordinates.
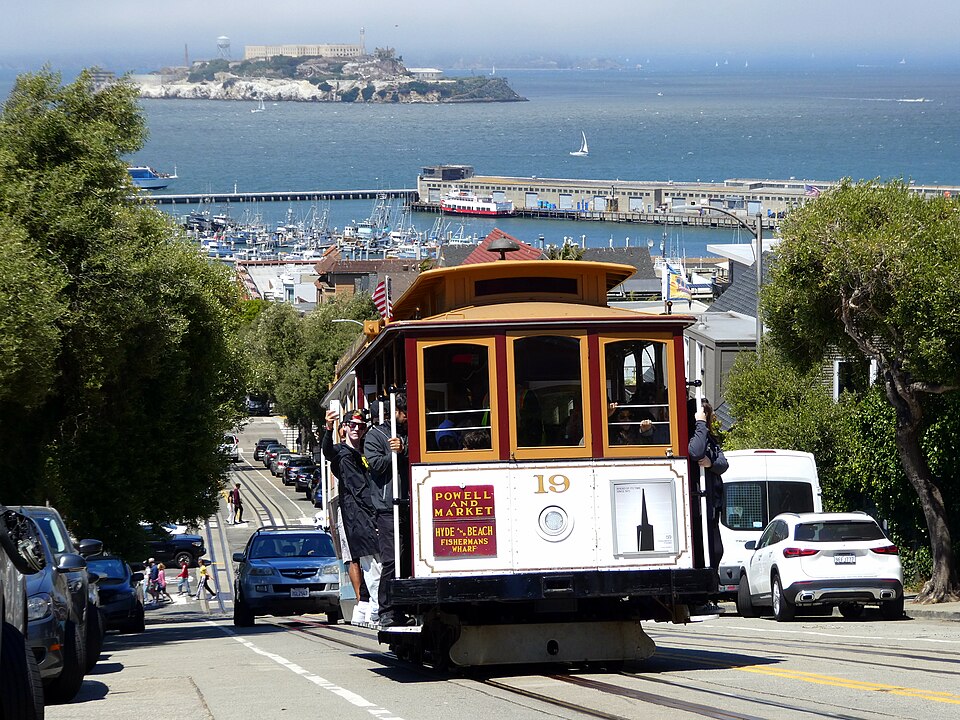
(811, 191)
(381, 298)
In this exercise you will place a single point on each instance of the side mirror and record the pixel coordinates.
(88, 547)
(71, 562)
(750, 545)
(238, 557)
(136, 577)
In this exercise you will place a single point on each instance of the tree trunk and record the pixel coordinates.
(943, 585)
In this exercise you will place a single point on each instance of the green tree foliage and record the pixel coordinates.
(296, 355)
(867, 269)
(567, 251)
(137, 364)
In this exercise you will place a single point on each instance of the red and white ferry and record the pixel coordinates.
(461, 202)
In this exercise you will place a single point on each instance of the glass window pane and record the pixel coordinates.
(457, 397)
(744, 506)
(549, 391)
(637, 393)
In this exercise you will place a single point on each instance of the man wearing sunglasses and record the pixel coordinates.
(356, 507)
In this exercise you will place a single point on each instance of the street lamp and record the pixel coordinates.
(758, 252)
(343, 320)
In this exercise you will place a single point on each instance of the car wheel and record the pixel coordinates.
(242, 615)
(851, 611)
(65, 687)
(892, 609)
(139, 622)
(783, 611)
(21, 691)
(185, 557)
(333, 616)
(744, 602)
(94, 640)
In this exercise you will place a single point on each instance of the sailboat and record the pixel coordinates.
(259, 108)
(584, 150)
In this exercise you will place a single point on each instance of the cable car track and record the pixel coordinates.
(341, 635)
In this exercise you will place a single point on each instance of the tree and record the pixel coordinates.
(868, 269)
(568, 251)
(126, 366)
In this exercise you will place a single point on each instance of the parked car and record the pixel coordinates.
(55, 628)
(84, 592)
(810, 561)
(230, 447)
(261, 445)
(301, 476)
(168, 548)
(278, 464)
(21, 553)
(172, 528)
(315, 491)
(286, 571)
(294, 462)
(271, 452)
(121, 593)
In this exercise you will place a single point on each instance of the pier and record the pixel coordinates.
(691, 219)
(406, 194)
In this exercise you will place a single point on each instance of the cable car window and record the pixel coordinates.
(457, 397)
(548, 391)
(638, 404)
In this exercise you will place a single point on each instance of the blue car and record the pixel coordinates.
(121, 594)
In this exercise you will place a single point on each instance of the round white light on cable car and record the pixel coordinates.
(554, 523)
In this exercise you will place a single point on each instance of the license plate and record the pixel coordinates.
(299, 592)
(845, 559)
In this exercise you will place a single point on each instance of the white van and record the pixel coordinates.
(759, 485)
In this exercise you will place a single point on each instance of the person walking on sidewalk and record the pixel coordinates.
(183, 579)
(203, 580)
(237, 502)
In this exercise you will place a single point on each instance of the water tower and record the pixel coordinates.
(223, 47)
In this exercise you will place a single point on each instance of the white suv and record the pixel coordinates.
(230, 447)
(819, 560)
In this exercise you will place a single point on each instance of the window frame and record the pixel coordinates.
(463, 454)
(673, 402)
(552, 451)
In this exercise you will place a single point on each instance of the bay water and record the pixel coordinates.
(709, 125)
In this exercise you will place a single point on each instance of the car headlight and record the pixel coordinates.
(261, 571)
(38, 606)
(330, 569)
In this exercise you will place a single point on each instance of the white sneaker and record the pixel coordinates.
(360, 611)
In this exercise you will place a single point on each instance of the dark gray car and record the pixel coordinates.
(21, 691)
(55, 630)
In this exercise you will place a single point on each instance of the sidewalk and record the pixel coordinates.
(939, 611)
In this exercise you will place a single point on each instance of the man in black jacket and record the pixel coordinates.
(356, 509)
(379, 445)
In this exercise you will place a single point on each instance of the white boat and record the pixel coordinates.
(461, 202)
(146, 177)
(259, 108)
(584, 150)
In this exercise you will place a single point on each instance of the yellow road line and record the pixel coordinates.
(816, 678)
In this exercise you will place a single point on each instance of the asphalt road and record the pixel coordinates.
(191, 662)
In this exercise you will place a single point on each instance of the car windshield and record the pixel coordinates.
(292, 546)
(838, 531)
(107, 567)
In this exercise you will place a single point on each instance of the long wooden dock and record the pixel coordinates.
(406, 194)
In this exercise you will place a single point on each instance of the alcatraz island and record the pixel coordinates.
(318, 73)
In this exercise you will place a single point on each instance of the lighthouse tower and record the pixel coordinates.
(363, 45)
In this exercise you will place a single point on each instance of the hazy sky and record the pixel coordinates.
(123, 35)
